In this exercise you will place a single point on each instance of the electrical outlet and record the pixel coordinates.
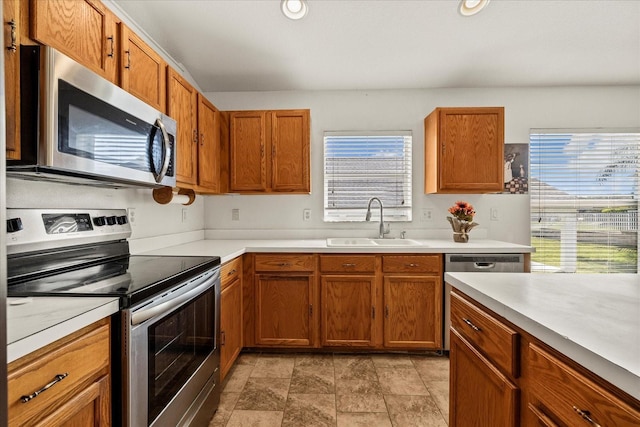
(306, 215)
(131, 215)
(235, 214)
(494, 214)
(185, 216)
(426, 215)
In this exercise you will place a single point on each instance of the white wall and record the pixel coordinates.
(525, 108)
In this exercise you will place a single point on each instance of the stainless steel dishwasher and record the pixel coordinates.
(478, 263)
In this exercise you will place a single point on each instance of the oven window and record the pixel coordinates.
(178, 344)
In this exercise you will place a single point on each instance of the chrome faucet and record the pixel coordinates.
(383, 230)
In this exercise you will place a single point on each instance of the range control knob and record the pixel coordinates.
(13, 225)
(111, 220)
(99, 221)
(122, 219)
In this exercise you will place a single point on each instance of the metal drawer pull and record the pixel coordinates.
(285, 264)
(471, 325)
(232, 272)
(57, 379)
(348, 265)
(586, 415)
(14, 39)
(223, 338)
(412, 265)
(128, 66)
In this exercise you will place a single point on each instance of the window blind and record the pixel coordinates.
(584, 200)
(361, 165)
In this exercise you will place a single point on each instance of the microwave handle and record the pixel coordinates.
(167, 151)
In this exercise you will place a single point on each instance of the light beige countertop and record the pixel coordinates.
(34, 322)
(593, 319)
(229, 249)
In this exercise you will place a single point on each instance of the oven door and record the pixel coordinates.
(171, 356)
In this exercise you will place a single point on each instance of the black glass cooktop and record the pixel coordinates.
(133, 278)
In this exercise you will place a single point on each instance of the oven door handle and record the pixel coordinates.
(145, 314)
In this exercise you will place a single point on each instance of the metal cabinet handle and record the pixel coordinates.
(386, 311)
(110, 54)
(412, 265)
(471, 325)
(348, 264)
(232, 272)
(310, 309)
(285, 264)
(14, 38)
(223, 338)
(373, 312)
(586, 415)
(128, 66)
(56, 379)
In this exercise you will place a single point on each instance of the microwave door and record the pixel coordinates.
(160, 151)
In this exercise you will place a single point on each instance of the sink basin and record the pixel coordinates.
(366, 242)
(396, 242)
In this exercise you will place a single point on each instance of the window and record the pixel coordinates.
(361, 165)
(584, 200)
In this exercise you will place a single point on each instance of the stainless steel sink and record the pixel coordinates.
(366, 242)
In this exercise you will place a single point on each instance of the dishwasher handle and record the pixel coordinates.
(484, 265)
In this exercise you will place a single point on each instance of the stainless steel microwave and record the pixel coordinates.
(78, 127)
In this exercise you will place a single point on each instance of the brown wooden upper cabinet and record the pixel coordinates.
(464, 150)
(84, 30)
(270, 151)
(199, 154)
(11, 28)
(143, 71)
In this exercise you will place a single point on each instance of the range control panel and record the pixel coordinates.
(41, 229)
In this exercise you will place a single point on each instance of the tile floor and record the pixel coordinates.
(340, 390)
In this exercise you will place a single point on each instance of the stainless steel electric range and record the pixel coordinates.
(165, 352)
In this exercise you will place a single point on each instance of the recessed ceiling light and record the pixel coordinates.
(471, 7)
(294, 9)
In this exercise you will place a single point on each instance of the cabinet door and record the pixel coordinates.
(11, 21)
(230, 326)
(85, 30)
(481, 395)
(413, 312)
(472, 149)
(143, 71)
(248, 146)
(284, 310)
(208, 145)
(89, 407)
(182, 106)
(348, 310)
(290, 151)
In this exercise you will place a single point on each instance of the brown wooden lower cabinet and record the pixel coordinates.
(480, 395)
(81, 394)
(284, 310)
(348, 310)
(230, 326)
(413, 312)
(548, 389)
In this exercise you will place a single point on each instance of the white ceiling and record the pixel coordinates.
(246, 45)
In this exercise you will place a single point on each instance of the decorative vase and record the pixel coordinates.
(461, 229)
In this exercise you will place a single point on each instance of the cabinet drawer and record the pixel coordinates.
(284, 262)
(573, 399)
(493, 338)
(412, 264)
(347, 263)
(230, 271)
(81, 360)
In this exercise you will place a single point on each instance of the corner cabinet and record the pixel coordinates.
(464, 150)
(75, 371)
(269, 151)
